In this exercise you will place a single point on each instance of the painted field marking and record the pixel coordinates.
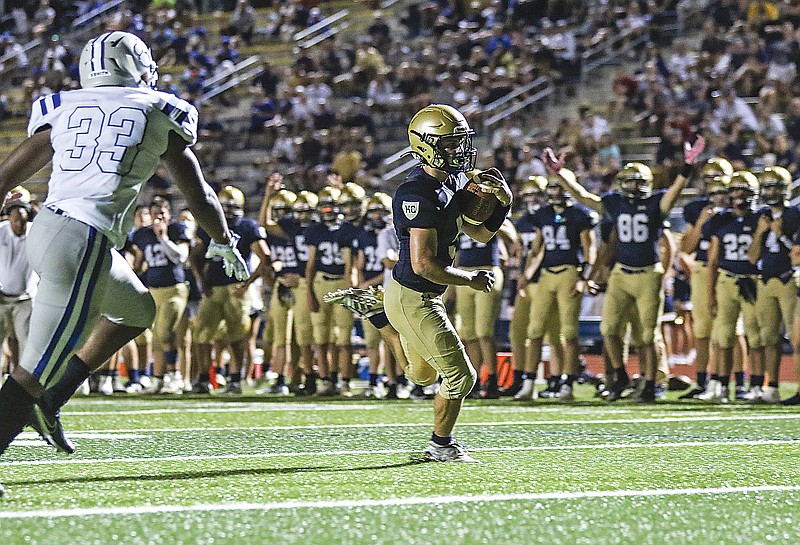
(318, 454)
(394, 502)
(561, 422)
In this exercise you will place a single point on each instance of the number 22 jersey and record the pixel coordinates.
(107, 142)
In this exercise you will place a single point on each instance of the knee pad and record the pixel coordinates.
(461, 386)
(421, 373)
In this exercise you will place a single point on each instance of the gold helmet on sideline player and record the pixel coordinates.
(329, 203)
(635, 181)
(532, 193)
(743, 189)
(775, 183)
(232, 200)
(304, 207)
(351, 201)
(282, 203)
(379, 209)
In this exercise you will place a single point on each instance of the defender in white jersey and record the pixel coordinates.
(105, 141)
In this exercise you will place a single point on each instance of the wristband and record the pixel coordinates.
(497, 218)
(687, 170)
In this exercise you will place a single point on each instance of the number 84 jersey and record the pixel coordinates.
(561, 233)
(638, 223)
(107, 142)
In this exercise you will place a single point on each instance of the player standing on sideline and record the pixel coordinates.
(732, 284)
(18, 281)
(330, 262)
(427, 216)
(777, 290)
(566, 237)
(164, 246)
(105, 141)
(638, 213)
(226, 298)
(715, 176)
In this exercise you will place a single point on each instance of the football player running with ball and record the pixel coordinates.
(105, 141)
(428, 219)
(638, 213)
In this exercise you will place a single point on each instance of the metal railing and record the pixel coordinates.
(541, 87)
(217, 79)
(611, 48)
(318, 32)
(97, 12)
(237, 77)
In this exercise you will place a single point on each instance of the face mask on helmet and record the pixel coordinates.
(720, 199)
(304, 217)
(742, 199)
(556, 196)
(232, 210)
(457, 153)
(635, 188)
(281, 211)
(533, 201)
(352, 211)
(117, 59)
(377, 218)
(773, 194)
(329, 211)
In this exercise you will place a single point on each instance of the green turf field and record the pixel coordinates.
(227, 470)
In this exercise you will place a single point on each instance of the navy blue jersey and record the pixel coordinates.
(775, 259)
(693, 209)
(527, 233)
(561, 233)
(161, 271)
(367, 242)
(330, 241)
(283, 250)
(638, 224)
(691, 213)
(249, 231)
(296, 234)
(735, 236)
(425, 203)
(472, 253)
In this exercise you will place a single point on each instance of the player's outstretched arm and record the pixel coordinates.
(569, 183)
(185, 170)
(26, 160)
(691, 152)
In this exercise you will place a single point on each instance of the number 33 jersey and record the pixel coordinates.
(107, 141)
(638, 224)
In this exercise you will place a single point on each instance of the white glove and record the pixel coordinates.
(232, 261)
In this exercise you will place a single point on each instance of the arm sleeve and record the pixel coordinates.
(414, 211)
(181, 116)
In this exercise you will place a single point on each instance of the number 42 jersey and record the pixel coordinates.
(107, 142)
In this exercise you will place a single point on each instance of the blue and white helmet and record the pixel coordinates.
(117, 59)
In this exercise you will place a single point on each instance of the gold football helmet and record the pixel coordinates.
(775, 182)
(329, 201)
(440, 137)
(532, 193)
(352, 201)
(743, 189)
(635, 181)
(556, 195)
(282, 203)
(716, 166)
(304, 207)
(232, 200)
(379, 201)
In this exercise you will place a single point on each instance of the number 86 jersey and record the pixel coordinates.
(107, 142)
(638, 224)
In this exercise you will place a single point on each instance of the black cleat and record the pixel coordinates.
(693, 393)
(792, 401)
(512, 390)
(391, 392)
(616, 389)
(647, 396)
(48, 426)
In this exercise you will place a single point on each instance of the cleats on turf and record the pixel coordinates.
(366, 303)
(48, 426)
(453, 452)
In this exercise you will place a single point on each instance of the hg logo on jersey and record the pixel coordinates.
(411, 209)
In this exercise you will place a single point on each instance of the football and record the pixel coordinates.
(476, 203)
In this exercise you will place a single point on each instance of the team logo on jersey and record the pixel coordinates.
(411, 209)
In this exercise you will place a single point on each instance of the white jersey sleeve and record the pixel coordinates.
(42, 112)
(181, 114)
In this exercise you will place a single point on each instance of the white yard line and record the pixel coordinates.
(319, 454)
(561, 422)
(394, 502)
